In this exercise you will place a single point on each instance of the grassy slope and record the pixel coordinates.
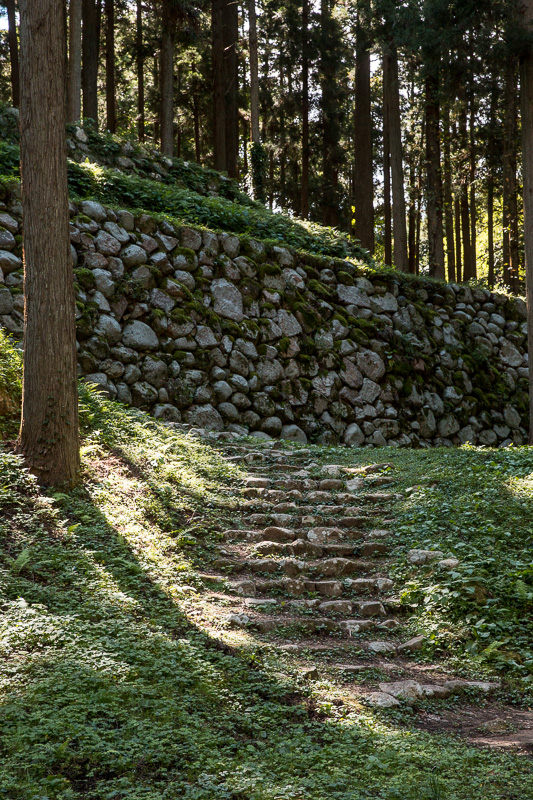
(110, 690)
(183, 194)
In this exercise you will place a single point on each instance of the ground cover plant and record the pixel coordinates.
(113, 688)
(182, 195)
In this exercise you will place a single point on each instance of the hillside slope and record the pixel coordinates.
(123, 173)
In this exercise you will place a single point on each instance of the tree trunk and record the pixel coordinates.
(219, 105)
(110, 66)
(230, 33)
(196, 115)
(448, 200)
(329, 117)
(74, 62)
(473, 209)
(305, 111)
(166, 73)
(90, 47)
(434, 178)
(458, 249)
(490, 229)
(363, 190)
(254, 74)
(156, 105)
(387, 208)
(468, 265)
(49, 428)
(411, 235)
(13, 51)
(140, 70)
(526, 81)
(510, 187)
(391, 86)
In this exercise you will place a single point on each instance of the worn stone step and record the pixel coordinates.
(297, 587)
(327, 568)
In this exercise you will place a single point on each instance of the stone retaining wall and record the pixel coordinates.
(223, 332)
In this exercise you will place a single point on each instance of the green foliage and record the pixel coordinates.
(108, 687)
(10, 384)
(258, 158)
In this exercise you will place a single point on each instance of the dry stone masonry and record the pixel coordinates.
(228, 333)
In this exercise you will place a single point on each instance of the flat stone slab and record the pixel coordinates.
(419, 557)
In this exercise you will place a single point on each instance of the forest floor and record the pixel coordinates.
(206, 618)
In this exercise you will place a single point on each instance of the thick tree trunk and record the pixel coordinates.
(434, 178)
(74, 62)
(90, 47)
(111, 108)
(387, 207)
(526, 81)
(305, 112)
(448, 199)
(230, 33)
(391, 86)
(49, 429)
(363, 190)
(166, 73)
(13, 51)
(139, 54)
(219, 104)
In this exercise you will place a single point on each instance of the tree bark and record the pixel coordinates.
(74, 62)
(254, 74)
(219, 106)
(166, 73)
(448, 199)
(468, 265)
(230, 34)
(392, 89)
(387, 208)
(305, 111)
(526, 81)
(434, 178)
(458, 248)
(490, 229)
(140, 70)
(363, 190)
(111, 108)
(13, 52)
(473, 208)
(329, 117)
(90, 47)
(49, 428)
(510, 187)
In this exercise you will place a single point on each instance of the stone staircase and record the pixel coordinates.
(303, 567)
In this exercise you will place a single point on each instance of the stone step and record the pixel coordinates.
(297, 587)
(327, 568)
(364, 609)
(315, 626)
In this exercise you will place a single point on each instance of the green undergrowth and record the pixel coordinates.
(108, 689)
(475, 505)
(180, 196)
(10, 385)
